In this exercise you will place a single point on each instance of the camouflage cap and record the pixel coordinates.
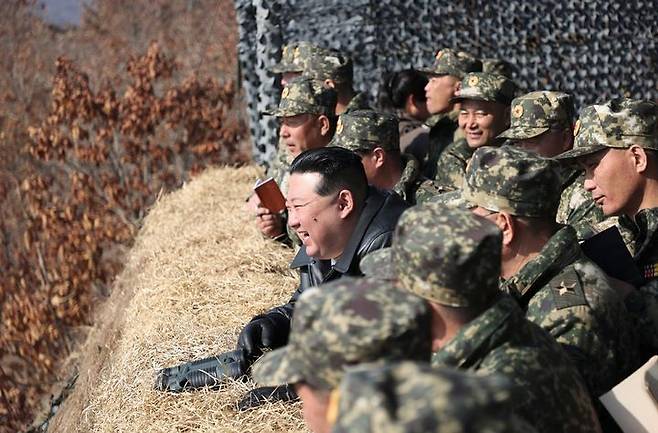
(343, 323)
(291, 58)
(498, 66)
(619, 123)
(315, 62)
(329, 64)
(366, 129)
(447, 256)
(455, 63)
(536, 112)
(513, 180)
(303, 95)
(414, 397)
(482, 86)
(377, 264)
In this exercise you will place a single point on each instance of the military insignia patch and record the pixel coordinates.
(576, 128)
(339, 126)
(473, 81)
(517, 111)
(567, 290)
(285, 93)
(295, 53)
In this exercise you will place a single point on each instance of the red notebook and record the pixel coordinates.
(270, 195)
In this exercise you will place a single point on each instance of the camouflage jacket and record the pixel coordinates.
(572, 299)
(443, 131)
(501, 340)
(643, 304)
(413, 187)
(577, 208)
(451, 166)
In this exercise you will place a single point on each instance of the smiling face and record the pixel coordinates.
(438, 91)
(482, 121)
(302, 132)
(316, 219)
(611, 176)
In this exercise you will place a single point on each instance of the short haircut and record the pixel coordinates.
(399, 85)
(339, 169)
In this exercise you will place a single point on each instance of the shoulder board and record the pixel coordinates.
(567, 290)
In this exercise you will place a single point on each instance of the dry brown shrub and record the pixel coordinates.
(87, 143)
(198, 271)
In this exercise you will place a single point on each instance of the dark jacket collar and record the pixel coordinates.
(374, 202)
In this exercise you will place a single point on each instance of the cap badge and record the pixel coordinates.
(576, 128)
(517, 111)
(439, 54)
(286, 92)
(473, 81)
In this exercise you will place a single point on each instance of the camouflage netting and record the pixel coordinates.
(595, 49)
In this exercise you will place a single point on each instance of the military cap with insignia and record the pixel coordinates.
(455, 63)
(303, 95)
(363, 130)
(534, 113)
(619, 123)
(482, 86)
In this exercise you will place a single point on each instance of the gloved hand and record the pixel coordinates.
(259, 396)
(266, 331)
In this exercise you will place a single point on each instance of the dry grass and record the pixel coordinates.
(198, 271)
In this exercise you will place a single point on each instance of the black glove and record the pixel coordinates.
(267, 331)
(259, 396)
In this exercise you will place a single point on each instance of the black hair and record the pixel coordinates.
(339, 169)
(397, 87)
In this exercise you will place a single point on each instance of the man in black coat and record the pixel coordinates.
(339, 220)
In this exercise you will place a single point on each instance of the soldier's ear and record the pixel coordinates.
(506, 224)
(329, 84)
(325, 125)
(379, 155)
(640, 158)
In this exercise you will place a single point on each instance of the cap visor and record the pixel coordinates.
(277, 368)
(454, 199)
(580, 151)
(522, 133)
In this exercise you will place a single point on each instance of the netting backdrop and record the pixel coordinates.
(594, 49)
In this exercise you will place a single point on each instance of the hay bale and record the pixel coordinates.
(198, 271)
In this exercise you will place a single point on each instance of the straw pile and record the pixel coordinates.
(198, 271)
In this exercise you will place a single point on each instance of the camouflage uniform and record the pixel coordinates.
(561, 290)
(534, 114)
(363, 130)
(479, 86)
(443, 126)
(452, 258)
(411, 397)
(345, 323)
(619, 124)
